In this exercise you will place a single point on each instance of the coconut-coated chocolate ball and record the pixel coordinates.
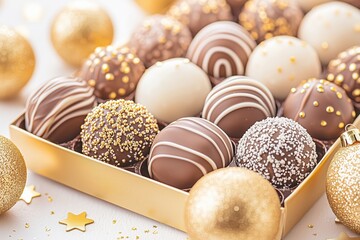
(112, 72)
(186, 150)
(345, 72)
(265, 19)
(118, 132)
(159, 38)
(221, 49)
(58, 108)
(280, 150)
(321, 107)
(196, 14)
(237, 103)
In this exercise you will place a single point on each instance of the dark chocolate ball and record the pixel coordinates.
(186, 150)
(222, 50)
(160, 38)
(280, 150)
(345, 72)
(237, 103)
(321, 107)
(112, 72)
(265, 19)
(119, 132)
(58, 108)
(197, 14)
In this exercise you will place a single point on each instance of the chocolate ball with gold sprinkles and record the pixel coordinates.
(345, 72)
(265, 19)
(322, 107)
(196, 14)
(159, 38)
(118, 132)
(280, 150)
(112, 72)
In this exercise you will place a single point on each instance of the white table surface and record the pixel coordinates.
(41, 224)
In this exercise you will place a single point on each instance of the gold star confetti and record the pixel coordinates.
(29, 193)
(344, 236)
(74, 221)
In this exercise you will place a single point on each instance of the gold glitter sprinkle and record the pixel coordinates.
(339, 79)
(162, 39)
(50, 199)
(337, 220)
(310, 226)
(320, 89)
(356, 92)
(330, 109)
(338, 113)
(355, 75)
(323, 123)
(341, 67)
(52, 212)
(136, 60)
(339, 95)
(122, 91)
(293, 90)
(330, 77)
(125, 79)
(353, 114)
(105, 68)
(279, 69)
(92, 83)
(341, 125)
(27, 225)
(316, 103)
(352, 67)
(324, 45)
(302, 91)
(302, 115)
(109, 77)
(333, 89)
(134, 228)
(114, 221)
(292, 59)
(112, 95)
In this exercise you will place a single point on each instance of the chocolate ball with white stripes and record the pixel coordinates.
(57, 110)
(221, 49)
(186, 150)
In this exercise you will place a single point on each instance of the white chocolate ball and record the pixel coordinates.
(173, 89)
(307, 5)
(282, 63)
(331, 28)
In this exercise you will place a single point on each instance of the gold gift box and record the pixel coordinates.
(126, 189)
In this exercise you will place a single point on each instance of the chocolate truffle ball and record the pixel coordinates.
(236, 6)
(197, 14)
(160, 38)
(282, 63)
(112, 72)
(237, 103)
(265, 19)
(173, 89)
(221, 49)
(186, 150)
(345, 70)
(321, 107)
(118, 132)
(58, 108)
(331, 28)
(280, 150)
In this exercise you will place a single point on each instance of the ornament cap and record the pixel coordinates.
(351, 136)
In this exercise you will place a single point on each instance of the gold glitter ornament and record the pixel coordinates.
(233, 203)
(78, 29)
(154, 6)
(12, 174)
(343, 181)
(17, 62)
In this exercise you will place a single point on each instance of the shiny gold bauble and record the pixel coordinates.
(78, 29)
(12, 174)
(232, 203)
(17, 62)
(343, 182)
(155, 6)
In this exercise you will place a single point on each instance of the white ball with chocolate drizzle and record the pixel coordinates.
(186, 150)
(280, 150)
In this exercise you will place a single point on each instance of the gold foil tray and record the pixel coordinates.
(139, 194)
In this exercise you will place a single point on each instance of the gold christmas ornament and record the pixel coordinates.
(17, 62)
(343, 181)
(233, 203)
(12, 174)
(78, 29)
(155, 6)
